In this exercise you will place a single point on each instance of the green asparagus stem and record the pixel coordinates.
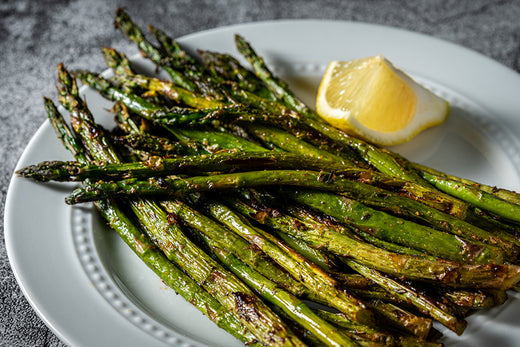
(231, 70)
(310, 274)
(393, 229)
(157, 166)
(311, 217)
(315, 256)
(377, 223)
(424, 304)
(233, 243)
(223, 285)
(144, 249)
(501, 193)
(271, 292)
(250, 311)
(448, 273)
(155, 85)
(465, 298)
(155, 145)
(290, 143)
(138, 104)
(475, 196)
(69, 140)
(171, 275)
(123, 22)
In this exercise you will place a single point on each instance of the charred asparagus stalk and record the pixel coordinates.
(250, 311)
(378, 223)
(452, 274)
(291, 305)
(311, 276)
(145, 250)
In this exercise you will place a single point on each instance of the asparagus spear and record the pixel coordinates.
(271, 292)
(223, 285)
(145, 250)
(310, 274)
(251, 312)
(123, 22)
(172, 49)
(171, 275)
(409, 189)
(67, 137)
(426, 305)
(138, 104)
(155, 145)
(448, 273)
(231, 70)
(377, 223)
(197, 164)
(505, 194)
(207, 83)
(290, 143)
(315, 256)
(475, 196)
(365, 288)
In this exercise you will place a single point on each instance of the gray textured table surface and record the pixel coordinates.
(36, 36)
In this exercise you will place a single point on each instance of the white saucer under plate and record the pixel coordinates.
(92, 291)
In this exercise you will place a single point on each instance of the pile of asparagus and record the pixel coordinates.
(278, 227)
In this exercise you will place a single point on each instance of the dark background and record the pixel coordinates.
(36, 35)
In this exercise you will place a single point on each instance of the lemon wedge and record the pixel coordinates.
(372, 99)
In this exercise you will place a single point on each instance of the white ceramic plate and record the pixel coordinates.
(92, 291)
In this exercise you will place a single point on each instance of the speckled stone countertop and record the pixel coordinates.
(36, 35)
